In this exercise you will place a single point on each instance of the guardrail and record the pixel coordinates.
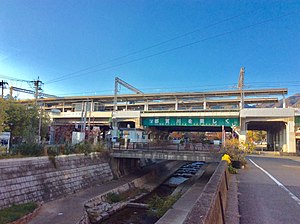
(167, 146)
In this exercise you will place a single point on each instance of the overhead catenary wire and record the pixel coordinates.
(200, 88)
(289, 83)
(13, 78)
(75, 74)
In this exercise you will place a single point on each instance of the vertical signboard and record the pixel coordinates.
(4, 141)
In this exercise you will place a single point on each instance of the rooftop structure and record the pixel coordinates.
(164, 101)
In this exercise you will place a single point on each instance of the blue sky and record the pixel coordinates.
(153, 45)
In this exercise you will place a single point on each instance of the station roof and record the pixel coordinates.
(167, 96)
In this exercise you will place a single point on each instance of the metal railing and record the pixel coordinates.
(167, 145)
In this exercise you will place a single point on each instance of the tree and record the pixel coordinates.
(23, 121)
(256, 136)
(2, 114)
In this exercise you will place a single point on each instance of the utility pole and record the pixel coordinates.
(241, 86)
(37, 85)
(85, 115)
(11, 92)
(2, 84)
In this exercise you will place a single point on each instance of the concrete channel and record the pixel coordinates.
(81, 180)
(186, 180)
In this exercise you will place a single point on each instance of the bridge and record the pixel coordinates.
(168, 151)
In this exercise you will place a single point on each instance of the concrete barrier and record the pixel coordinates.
(211, 204)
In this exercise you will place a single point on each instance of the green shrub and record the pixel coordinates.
(9, 156)
(83, 147)
(33, 149)
(113, 197)
(28, 149)
(123, 196)
(232, 170)
(16, 212)
(158, 206)
(100, 147)
(69, 149)
(52, 151)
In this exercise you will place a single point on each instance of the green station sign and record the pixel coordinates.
(189, 121)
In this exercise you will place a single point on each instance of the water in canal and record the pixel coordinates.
(140, 215)
(131, 216)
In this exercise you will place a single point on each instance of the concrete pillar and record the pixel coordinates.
(281, 143)
(137, 122)
(176, 104)
(290, 136)
(284, 146)
(243, 131)
(204, 103)
(146, 106)
(278, 140)
(243, 125)
(270, 139)
(92, 106)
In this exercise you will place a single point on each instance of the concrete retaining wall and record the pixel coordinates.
(210, 206)
(41, 179)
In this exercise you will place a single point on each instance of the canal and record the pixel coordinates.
(138, 215)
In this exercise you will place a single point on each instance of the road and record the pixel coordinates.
(269, 191)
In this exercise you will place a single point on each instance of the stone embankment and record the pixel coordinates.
(44, 178)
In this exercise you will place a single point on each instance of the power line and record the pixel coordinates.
(150, 47)
(200, 88)
(281, 82)
(13, 78)
(158, 44)
(36, 83)
(72, 75)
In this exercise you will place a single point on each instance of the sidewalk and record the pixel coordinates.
(68, 210)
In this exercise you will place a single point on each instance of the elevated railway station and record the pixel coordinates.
(184, 111)
(174, 101)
